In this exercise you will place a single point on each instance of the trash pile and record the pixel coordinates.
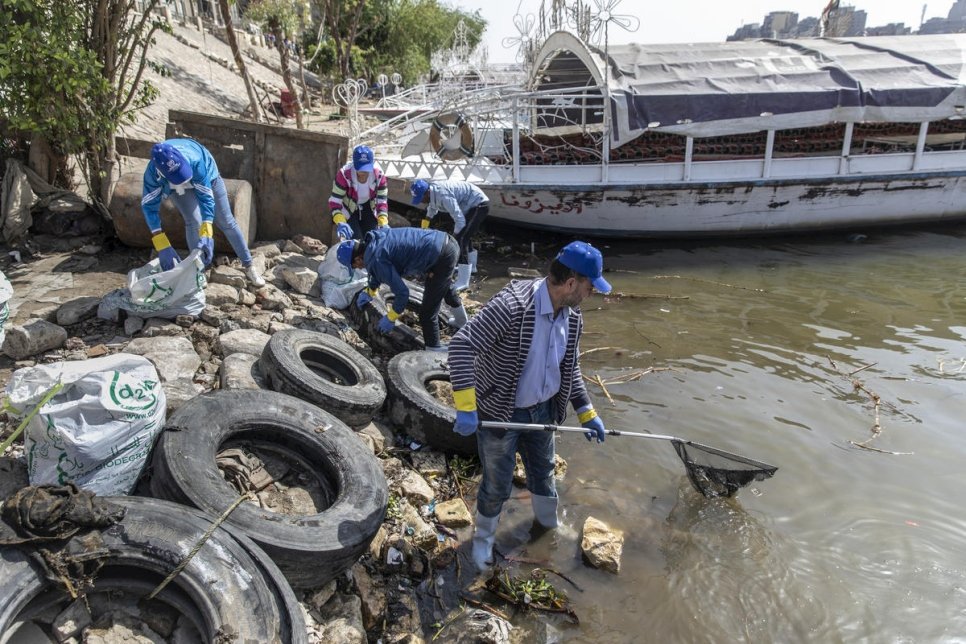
(299, 436)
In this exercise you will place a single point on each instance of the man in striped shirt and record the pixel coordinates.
(517, 361)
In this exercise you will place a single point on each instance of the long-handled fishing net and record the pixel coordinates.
(713, 472)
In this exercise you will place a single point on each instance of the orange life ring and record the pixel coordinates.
(451, 121)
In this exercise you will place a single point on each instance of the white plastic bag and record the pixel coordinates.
(153, 293)
(339, 282)
(98, 431)
(6, 292)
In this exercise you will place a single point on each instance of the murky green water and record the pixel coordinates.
(752, 346)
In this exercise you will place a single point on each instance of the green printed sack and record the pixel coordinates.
(98, 431)
(154, 293)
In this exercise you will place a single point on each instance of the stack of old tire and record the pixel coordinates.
(323, 388)
(229, 590)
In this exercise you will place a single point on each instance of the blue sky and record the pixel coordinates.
(691, 20)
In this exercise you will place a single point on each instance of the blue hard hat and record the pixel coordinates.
(418, 189)
(586, 260)
(362, 158)
(171, 163)
(343, 252)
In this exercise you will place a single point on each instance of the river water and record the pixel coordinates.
(775, 350)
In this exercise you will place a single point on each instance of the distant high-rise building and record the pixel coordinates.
(778, 24)
(844, 21)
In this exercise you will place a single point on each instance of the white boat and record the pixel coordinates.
(737, 138)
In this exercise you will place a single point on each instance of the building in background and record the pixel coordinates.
(953, 23)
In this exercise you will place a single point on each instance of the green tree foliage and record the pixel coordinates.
(417, 29)
(387, 36)
(71, 75)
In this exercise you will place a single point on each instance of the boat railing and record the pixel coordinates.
(558, 135)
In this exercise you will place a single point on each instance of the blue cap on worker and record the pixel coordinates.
(586, 260)
(171, 163)
(343, 252)
(362, 158)
(418, 189)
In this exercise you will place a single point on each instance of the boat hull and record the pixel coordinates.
(734, 208)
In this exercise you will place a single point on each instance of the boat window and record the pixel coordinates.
(885, 138)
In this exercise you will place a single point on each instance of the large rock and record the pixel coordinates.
(601, 545)
(240, 371)
(32, 337)
(342, 617)
(242, 341)
(453, 513)
(302, 280)
(77, 309)
(173, 357)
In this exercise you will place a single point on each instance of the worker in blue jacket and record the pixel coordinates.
(466, 204)
(184, 170)
(389, 255)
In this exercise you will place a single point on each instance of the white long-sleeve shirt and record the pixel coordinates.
(455, 198)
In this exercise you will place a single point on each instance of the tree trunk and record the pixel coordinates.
(305, 89)
(240, 63)
(287, 76)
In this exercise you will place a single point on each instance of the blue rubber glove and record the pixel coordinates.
(205, 243)
(385, 325)
(363, 298)
(596, 427)
(344, 231)
(466, 423)
(168, 258)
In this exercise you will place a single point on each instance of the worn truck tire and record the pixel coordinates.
(415, 303)
(415, 410)
(310, 549)
(324, 370)
(229, 587)
(366, 319)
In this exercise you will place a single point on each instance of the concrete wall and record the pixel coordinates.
(291, 171)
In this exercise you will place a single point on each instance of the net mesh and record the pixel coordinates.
(714, 473)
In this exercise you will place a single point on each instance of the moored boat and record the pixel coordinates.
(712, 139)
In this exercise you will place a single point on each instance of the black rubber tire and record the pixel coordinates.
(402, 338)
(415, 303)
(305, 364)
(312, 549)
(229, 585)
(413, 409)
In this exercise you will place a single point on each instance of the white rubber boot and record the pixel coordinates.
(252, 274)
(459, 317)
(483, 537)
(545, 510)
(462, 277)
(471, 256)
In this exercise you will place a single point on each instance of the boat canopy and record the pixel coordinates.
(715, 89)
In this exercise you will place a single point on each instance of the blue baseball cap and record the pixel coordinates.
(586, 260)
(362, 158)
(171, 163)
(343, 252)
(418, 189)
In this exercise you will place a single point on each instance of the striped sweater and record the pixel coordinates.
(345, 192)
(489, 352)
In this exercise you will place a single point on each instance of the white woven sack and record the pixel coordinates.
(98, 431)
(339, 282)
